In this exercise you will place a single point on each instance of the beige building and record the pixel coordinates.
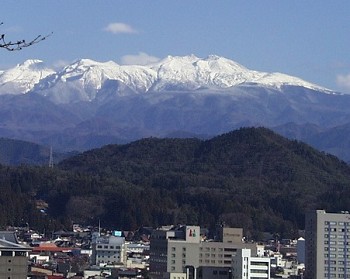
(327, 245)
(183, 250)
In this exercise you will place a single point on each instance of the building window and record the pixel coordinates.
(20, 254)
(6, 253)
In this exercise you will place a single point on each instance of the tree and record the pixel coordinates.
(19, 44)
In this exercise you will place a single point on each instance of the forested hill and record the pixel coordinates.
(250, 178)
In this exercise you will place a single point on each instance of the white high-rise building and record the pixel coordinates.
(327, 248)
(244, 266)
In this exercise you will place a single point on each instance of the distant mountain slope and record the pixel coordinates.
(17, 152)
(14, 152)
(335, 140)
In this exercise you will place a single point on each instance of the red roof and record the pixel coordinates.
(51, 247)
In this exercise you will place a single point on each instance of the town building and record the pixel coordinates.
(182, 249)
(301, 250)
(327, 245)
(108, 250)
(13, 257)
(245, 266)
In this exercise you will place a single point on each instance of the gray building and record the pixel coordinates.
(108, 250)
(13, 257)
(327, 245)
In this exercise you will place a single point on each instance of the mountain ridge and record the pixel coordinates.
(87, 104)
(172, 72)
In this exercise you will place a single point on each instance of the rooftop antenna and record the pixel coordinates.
(51, 159)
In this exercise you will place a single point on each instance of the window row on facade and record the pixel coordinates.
(334, 223)
(336, 256)
(334, 249)
(333, 242)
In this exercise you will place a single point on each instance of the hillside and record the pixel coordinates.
(251, 178)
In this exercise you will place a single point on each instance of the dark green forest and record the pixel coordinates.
(250, 178)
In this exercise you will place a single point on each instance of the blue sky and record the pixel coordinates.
(306, 38)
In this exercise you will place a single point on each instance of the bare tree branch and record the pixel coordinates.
(18, 45)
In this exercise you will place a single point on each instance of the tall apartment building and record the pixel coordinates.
(327, 245)
(182, 250)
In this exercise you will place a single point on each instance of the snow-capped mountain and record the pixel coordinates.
(22, 78)
(87, 103)
(83, 79)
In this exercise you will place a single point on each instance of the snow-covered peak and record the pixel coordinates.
(86, 77)
(191, 72)
(22, 78)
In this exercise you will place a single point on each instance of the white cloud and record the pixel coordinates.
(343, 81)
(139, 59)
(119, 27)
